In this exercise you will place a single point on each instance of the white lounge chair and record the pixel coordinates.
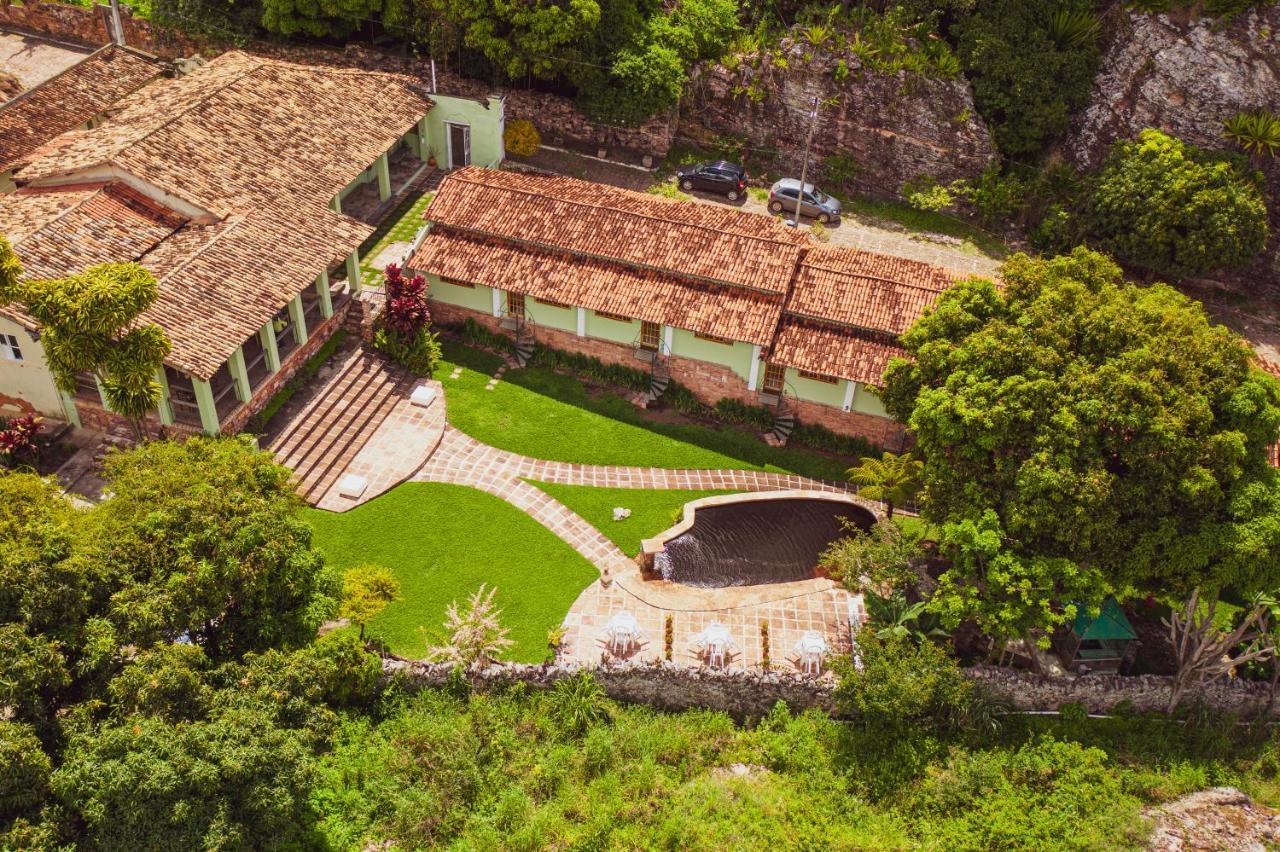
(811, 649)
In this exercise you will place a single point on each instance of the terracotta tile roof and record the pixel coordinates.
(59, 230)
(246, 130)
(692, 240)
(70, 99)
(841, 352)
(220, 283)
(600, 285)
(871, 291)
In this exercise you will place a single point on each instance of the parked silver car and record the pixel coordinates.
(815, 204)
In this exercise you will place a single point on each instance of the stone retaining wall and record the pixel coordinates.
(750, 694)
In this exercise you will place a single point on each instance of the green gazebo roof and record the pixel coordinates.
(1110, 623)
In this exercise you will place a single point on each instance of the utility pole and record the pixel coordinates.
(804, 166)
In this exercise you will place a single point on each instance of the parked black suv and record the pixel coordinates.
(721, 177)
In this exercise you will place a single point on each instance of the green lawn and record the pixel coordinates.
(651, 511)
(442, 542)
(400, 225)
(542, 414)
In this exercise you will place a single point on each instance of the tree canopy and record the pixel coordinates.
(161, 683)
(1082, 435)
(89, 324)
(1167, 206)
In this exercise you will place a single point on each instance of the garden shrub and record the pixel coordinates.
(420, 354)
(1029, 72)
(521, 138)
(478, 335)
(1175, 209)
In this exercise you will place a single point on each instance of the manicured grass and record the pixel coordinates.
(400, 225)
(442, 542)
(545, 415)
(651, 511)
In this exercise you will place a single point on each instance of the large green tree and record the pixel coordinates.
(90, 323)
(1170, 207)
(1082, 435)
(204, 542)
(541, 38)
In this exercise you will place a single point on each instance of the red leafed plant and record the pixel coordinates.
(407, 312)
(18, 438)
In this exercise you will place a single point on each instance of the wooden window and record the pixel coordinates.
(775, 376)
(552, 303)
(818, 377)
(456, 283)
(713, 338)
(9, 348)
(650, 335)
(617, 317)
(515, 304)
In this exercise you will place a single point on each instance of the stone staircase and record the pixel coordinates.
(324, 438)
(783, 425)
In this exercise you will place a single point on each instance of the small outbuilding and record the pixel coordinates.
(1104, 641)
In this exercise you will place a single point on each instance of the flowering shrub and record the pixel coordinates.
(407, 312)
(521, 138)
(18, 439)
(402, 335)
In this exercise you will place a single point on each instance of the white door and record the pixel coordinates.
(459, 145)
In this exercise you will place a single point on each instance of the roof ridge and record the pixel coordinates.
(779, 240)
(662, 270)
(893, 281)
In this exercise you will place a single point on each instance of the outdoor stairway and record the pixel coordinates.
(324, 438)
(658, 386)
(783, 426)
(524, 350)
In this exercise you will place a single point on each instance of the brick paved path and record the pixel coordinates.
(462, 460)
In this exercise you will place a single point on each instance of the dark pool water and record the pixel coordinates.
(756, 542)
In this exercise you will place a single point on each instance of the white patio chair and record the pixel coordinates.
(714, 642)
(622, 633)
(811, 649)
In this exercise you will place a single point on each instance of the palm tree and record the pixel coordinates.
(893, 480)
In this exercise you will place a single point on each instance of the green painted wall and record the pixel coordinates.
(735, 356)
(552, 316)
(477, 298)
(814, 391)
(866, 402)
(627, 333)
(6, 182)
(486, 121)
(28, 379)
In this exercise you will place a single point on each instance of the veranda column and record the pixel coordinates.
(582, 322)
(322, 290)
(497, 302)
(69, 408)
(240, 374)
(165, 408)
(353, 271)
(668, 335)
(102, 395)
(208, 409)
(269, 347)
(384, 177)
(849, 391)
(299, 319)
(755, 368)
(336, 203)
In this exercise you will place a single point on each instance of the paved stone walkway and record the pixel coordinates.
(462, 460)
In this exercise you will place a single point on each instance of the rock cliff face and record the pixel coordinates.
(1183, 77)
(894, 126)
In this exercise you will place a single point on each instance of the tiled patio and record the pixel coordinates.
(827, 612)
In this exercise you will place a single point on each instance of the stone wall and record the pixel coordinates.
(896, 127)
(90, 26)
(750, 694)
(709, 382)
